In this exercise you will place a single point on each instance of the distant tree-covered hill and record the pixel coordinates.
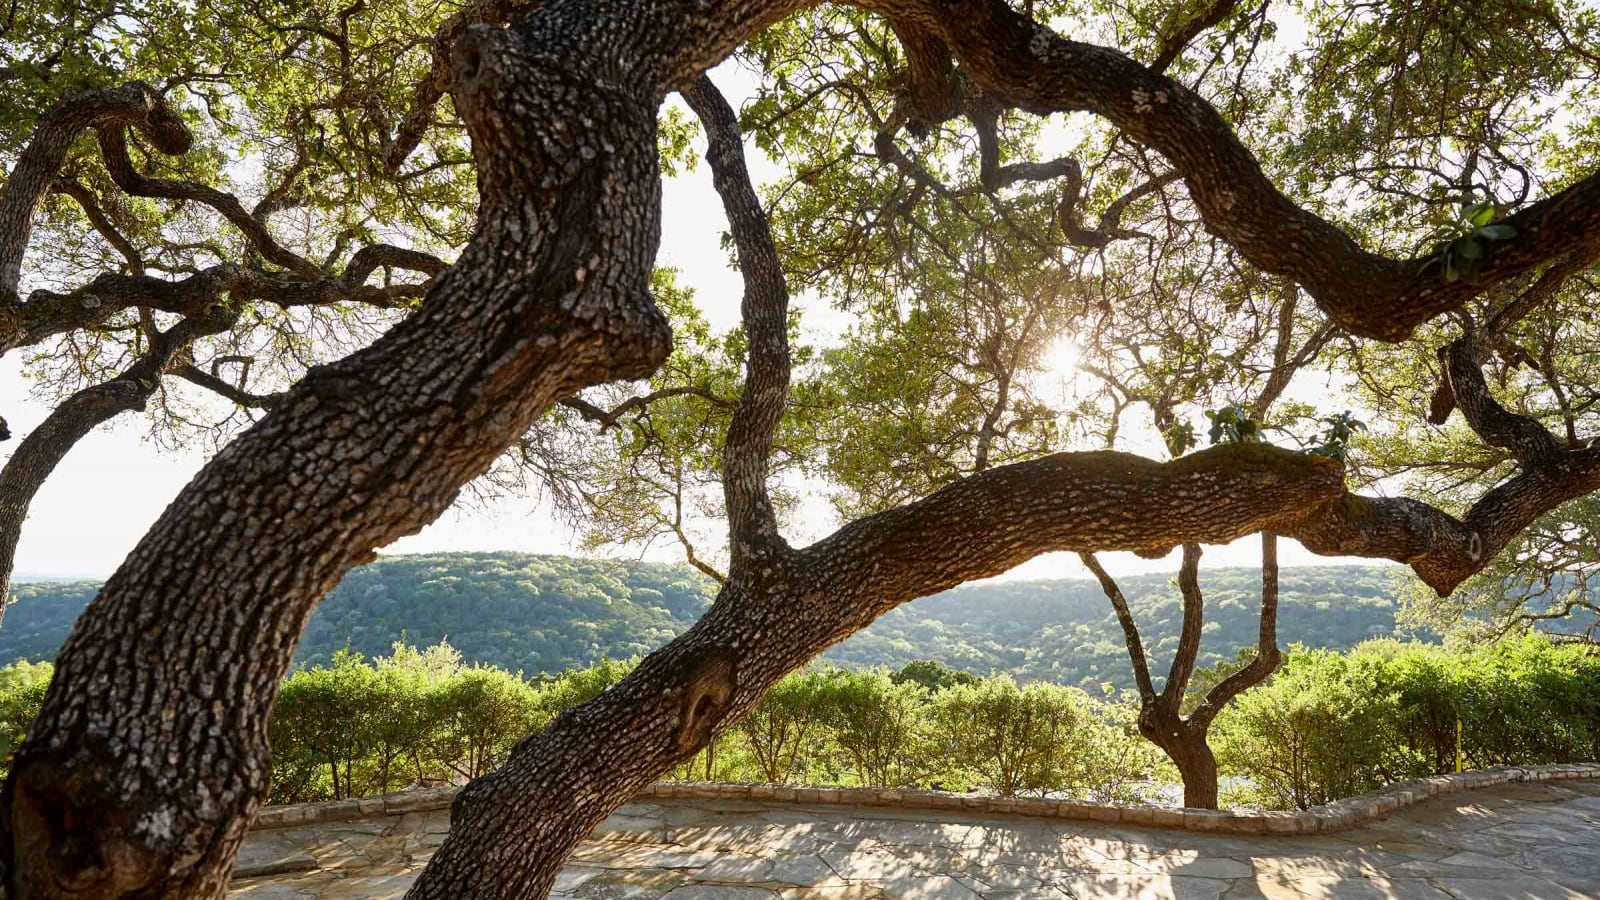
(550, 613)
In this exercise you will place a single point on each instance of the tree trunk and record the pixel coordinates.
(150, 755)
(1197, 765)
(1185, 743)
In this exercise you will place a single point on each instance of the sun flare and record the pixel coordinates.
(1062, 356)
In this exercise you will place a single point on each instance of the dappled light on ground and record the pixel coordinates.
(1515, 841)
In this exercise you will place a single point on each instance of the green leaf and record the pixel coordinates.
(1497, 232)
(1479, 214)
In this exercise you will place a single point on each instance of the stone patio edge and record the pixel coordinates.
(1337, 816)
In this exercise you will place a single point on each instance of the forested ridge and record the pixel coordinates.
(548, 614)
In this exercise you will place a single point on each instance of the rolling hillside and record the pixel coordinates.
(549, 613)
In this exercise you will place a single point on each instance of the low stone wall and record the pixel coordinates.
(1337, 816)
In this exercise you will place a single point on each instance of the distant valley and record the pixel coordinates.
(550, 613)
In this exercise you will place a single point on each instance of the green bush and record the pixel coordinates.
(22, 687)
(477, 716)
(787, 733)
(880, 727)
(1321, 729)
(1013, 740)
(1327, 725)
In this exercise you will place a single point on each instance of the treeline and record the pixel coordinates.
(523, 612)
(1327, 725)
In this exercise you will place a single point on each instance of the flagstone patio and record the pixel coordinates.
(1511, 842)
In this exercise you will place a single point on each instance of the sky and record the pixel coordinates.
(115, 483)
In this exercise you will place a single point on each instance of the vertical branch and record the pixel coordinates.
(1267, 653)
(752, 525)
(1267, 638)
(1130, 629)
(1194, 607)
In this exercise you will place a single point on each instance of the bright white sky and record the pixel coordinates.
(115, 483)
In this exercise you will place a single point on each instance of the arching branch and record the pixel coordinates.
(1525, 439)
(1028, 66)
(37, 456)
(131, 105)
(114, 147)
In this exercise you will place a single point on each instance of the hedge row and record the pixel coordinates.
(1328, 725)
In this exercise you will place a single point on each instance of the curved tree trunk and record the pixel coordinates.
(1186, 744)
(150, 754)
(1198, 766)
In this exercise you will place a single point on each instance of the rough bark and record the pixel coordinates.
(1442, 549)
(752, 526)
(150, 754)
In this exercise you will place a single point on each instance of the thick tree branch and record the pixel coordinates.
(746, 451)
(551, 295)
(1525, 439)
(1493, 333)
(1176, 42)
(1026, 65)
(1441, 549)
(1095, 501)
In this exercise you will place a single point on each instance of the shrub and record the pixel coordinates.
(788, 730)
(1321, 729)
(879, 727)
(1012, 739)
(22, 688)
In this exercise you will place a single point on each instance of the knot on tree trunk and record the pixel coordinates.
(71, 839)
(707, 691)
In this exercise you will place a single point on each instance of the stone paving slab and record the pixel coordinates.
(1508, 842)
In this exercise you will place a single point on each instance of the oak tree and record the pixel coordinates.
(150, 753)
